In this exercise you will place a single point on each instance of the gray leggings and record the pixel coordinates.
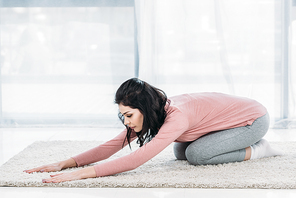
(222, 146)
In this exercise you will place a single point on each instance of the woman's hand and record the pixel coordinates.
(84, 173)
(54, 167)
(46, 168)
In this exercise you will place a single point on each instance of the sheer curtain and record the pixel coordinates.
(229, 46)
(62, 61)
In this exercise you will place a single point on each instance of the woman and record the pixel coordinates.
(208, 128)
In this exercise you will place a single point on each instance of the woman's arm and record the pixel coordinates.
(98, 153)
(103, 151)
(174, 126)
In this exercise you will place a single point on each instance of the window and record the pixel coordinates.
(62, 61)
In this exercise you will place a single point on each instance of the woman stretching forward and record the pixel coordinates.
(208, 128)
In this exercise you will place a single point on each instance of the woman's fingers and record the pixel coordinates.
(39, 169)
(84, 173)
(52, 179)
(62, 178)
(46, 168)
(56, 175)
(35, 170)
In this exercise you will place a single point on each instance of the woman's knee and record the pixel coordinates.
(196, 156)
(179, 150)
(260, 127)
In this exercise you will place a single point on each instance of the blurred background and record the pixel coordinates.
(62, 61)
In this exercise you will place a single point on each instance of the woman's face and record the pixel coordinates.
(133, 118)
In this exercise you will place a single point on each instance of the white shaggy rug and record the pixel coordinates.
(163, 171)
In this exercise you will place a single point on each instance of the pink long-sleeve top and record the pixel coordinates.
(189, 117)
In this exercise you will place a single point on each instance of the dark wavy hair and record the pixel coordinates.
(149, 100)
